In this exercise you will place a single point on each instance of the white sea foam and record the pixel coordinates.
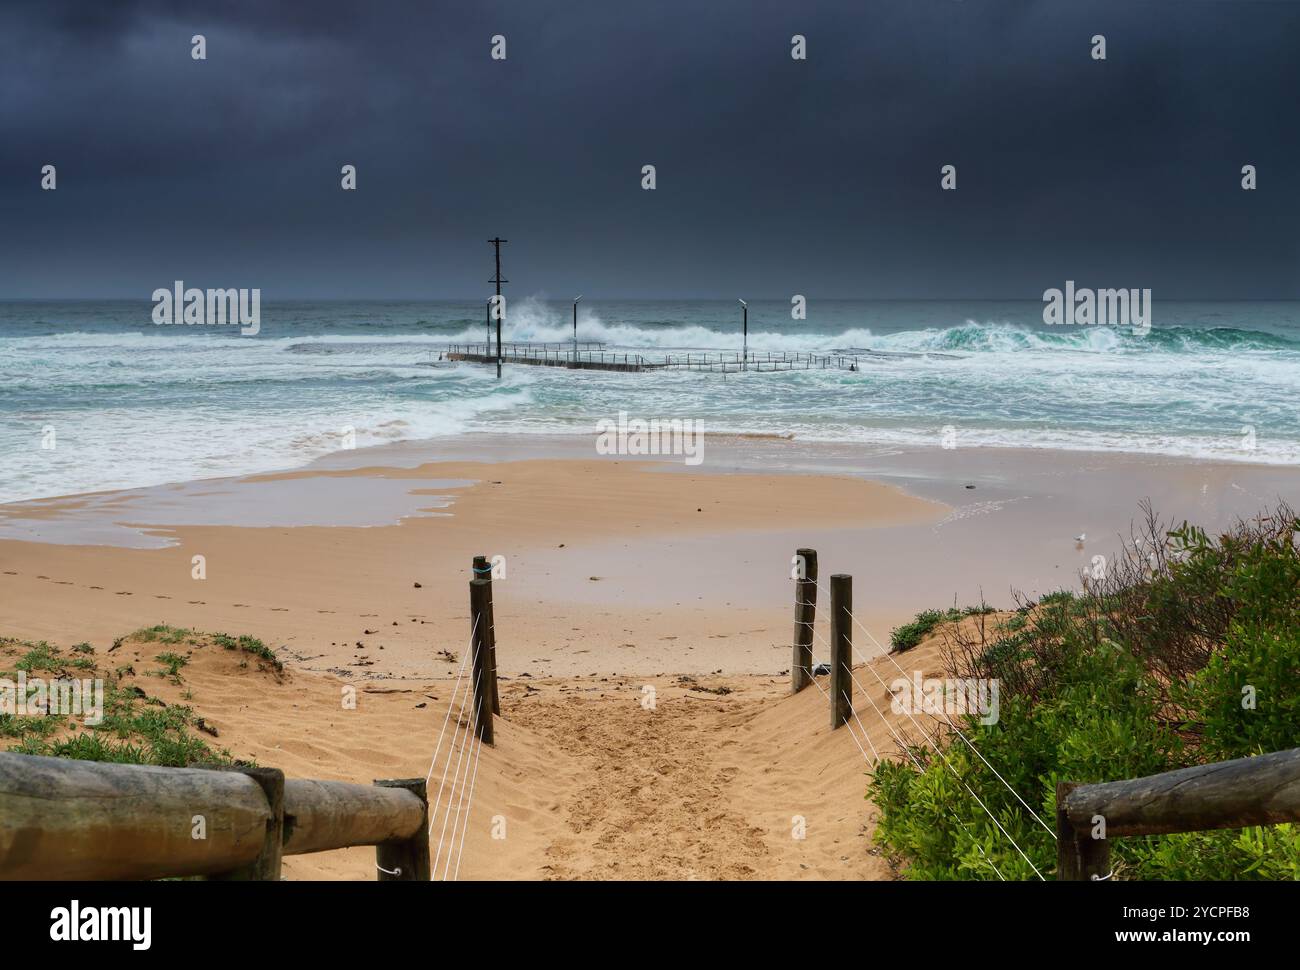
(134, 407)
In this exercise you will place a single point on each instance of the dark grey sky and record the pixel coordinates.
(775, 176)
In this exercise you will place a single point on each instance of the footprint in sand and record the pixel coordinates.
(10, 573)
(159, 596)
(240, 605)
(95, 587)
(196, 603)
(125, 593)
(279, 609)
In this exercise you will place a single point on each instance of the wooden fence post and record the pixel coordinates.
(406, 860)
(1078, 855)
(841, 649)
(479, 591)
(805, 613)
(266, 867)
(483, 570)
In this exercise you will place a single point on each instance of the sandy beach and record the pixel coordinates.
(619, 575)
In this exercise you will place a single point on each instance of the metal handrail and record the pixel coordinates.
(724, 362)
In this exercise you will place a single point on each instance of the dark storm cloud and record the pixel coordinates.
(775, 176)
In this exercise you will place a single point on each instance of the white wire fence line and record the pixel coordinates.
(888, 655)
(924, 733)
(459, 780)
(906, 749)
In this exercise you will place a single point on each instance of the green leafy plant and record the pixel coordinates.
(1144, 672)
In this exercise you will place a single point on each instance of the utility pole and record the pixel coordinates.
(744, 360)
(496, 243)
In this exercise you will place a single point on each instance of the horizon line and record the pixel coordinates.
(646, 299)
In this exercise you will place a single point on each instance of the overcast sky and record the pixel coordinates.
(774, 176)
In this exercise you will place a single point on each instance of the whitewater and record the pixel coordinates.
(128, 404)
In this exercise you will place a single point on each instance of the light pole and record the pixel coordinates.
(487, 319)
(744, 361)
(575, 328)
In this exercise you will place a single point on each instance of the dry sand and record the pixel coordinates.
(586, 781)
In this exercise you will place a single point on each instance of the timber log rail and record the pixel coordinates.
(1264, 790)
(592, 356)
(64, 819)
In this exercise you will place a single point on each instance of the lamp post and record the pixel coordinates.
(744, 361)
(487, 319)
(575, 329)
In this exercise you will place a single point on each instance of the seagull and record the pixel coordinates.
(1079, 540)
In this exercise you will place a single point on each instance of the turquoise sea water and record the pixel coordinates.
(134, 404)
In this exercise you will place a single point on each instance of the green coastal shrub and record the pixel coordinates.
(1144, 672)
(909, 635)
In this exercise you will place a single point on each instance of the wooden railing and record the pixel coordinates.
(1264, 790)
(65, 819)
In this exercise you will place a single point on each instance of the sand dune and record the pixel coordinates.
(586, 781)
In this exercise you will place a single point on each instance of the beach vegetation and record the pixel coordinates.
(926, 622)
(909, 635)
(1057, 596)
(1187, 651)
(249, 645)
(40, 657)
(175, 635)
(172, 662)
(135, 728)
(162, 633)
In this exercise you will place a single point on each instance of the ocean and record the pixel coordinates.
(126, 403)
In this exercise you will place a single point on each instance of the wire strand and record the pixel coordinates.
(888, 656)
(937, 751)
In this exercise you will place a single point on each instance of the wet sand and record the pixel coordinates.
(330, 596)
(610, 565)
